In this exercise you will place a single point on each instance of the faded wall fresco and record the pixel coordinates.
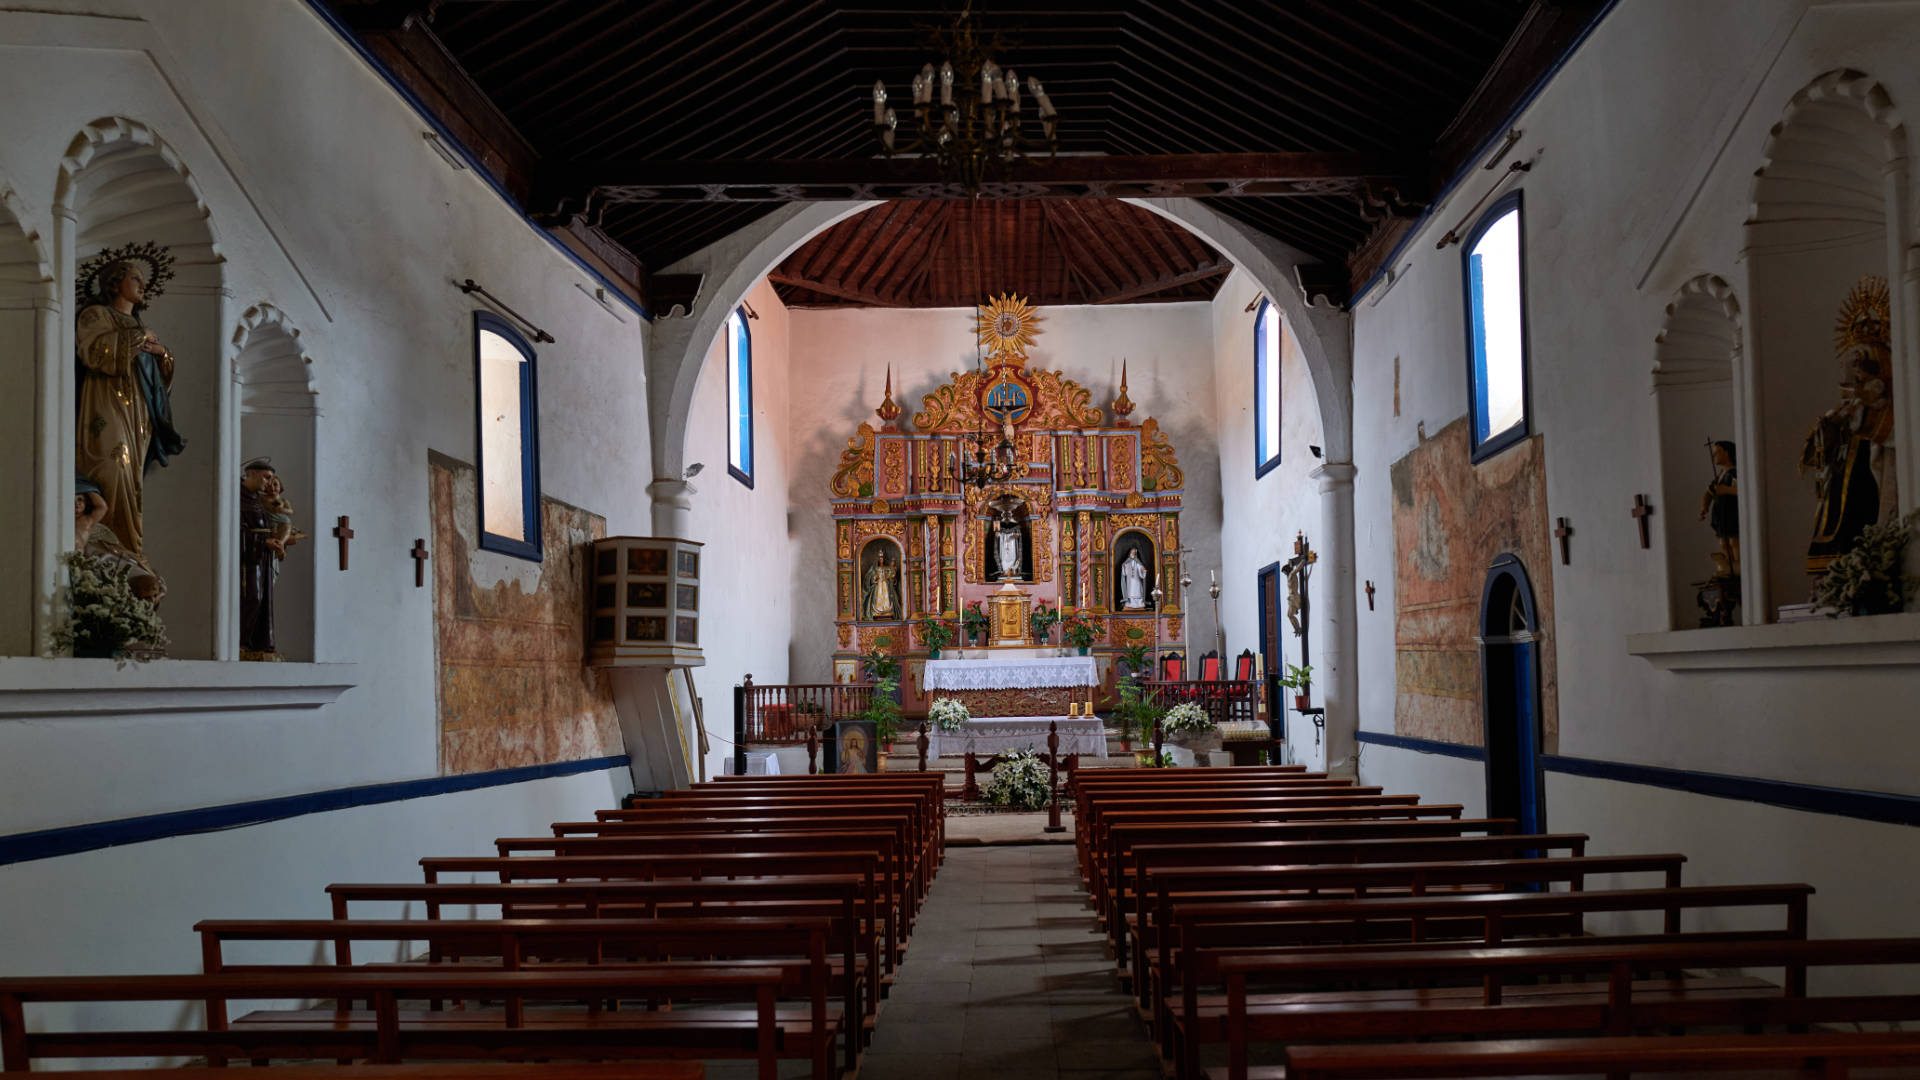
(1451, 519)
(509, 639)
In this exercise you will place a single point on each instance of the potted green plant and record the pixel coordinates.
(938, 635)
(1134, 656)
(107, 619)
(883, 709)
(1137, 713)
(1146, 759)
(1297, 679)
(1041, 622)
(1079, 633)
(973, 619)
(1869, 580)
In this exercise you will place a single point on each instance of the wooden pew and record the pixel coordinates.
(1214, 937)
(919, 834)
(457, 1070)
(698, 867)
(898, 871)
(1152, 950)
(1614, 1002)
(926, 806)
(1828, 1055)
(386, 1034)
(1112, 878)
(1094, 807)
(1228, 812)
(841, 897)
(797, 946)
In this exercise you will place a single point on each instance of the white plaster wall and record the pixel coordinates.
(1260, 517)
(328, 204)
(746, 576)
(131, 909)
(1647, 141)
(840, 358)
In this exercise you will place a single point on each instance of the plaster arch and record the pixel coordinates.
(679, 346)
(1830, 206)
(120, 183)
(1697, 354)
(27, 303)
(272, 367)
(273, 377)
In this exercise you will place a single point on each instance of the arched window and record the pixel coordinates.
(1269, 336)
(1495, 265)
(508, 424)
(739, 398)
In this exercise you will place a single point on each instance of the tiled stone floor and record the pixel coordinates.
(1006, 979)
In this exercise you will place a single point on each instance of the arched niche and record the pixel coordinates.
(121, 184)
(26, 284)
(872, 554)
(1126, 541)
(1510, 695)
(1824, 215)
(989, 525)
(278, 411)
(1695, 357)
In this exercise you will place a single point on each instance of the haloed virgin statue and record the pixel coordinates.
(124, 421)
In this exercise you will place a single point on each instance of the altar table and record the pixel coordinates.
(1078, 735)
(1008, 688)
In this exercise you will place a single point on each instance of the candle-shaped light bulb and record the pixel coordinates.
(919, 89)
(886, 132)
(946, 84)
(879, 102)
(926, 83)
(1012, 83)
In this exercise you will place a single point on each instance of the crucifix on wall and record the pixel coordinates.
(344, 532)
(1642, 508)
(420, 556)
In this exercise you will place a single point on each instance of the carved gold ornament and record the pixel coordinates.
(856, 465)
(1157, 460)
(1865, 316)
(1006, 325)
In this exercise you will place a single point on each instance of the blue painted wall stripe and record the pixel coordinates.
(1882, 806)
(73, 839)
(1879, 806)
(1423, 746)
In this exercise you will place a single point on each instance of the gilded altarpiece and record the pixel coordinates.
(1080, 472)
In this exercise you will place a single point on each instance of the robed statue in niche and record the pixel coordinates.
(124, 416)
(1006, 549)
(1133, 578)
(266, 530)
(882, 580)
(1849, 450)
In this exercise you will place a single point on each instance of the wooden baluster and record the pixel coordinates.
(1053, 778)
(921, 742)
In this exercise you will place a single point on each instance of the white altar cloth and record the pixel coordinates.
(1023, 674)
(1078, 735)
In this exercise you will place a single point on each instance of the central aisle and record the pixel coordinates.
(1008, 978)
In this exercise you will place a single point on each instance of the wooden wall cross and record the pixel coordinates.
(1564, 533)
(345, 532)
(1369, 596)
(1641, 508)
(420, 557)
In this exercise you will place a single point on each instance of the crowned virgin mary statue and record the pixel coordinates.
(125, 413)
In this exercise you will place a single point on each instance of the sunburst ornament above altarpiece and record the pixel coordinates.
(1006, 325)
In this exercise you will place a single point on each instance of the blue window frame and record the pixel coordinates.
(1269, 337)
(1494, 267)
(507, 438)
(739, 397)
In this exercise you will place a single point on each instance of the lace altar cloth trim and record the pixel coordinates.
(1000, 704)
(1078, 735)
(1072, 671)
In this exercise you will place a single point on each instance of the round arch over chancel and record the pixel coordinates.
(120, 184)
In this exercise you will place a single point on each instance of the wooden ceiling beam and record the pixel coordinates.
(1092, 176)
(1170, 281)
(828, 288)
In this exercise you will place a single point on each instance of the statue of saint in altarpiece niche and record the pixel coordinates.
(124, 418)
(882, 587)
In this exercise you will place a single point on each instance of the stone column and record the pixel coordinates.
(673, 509)
(1336, 671)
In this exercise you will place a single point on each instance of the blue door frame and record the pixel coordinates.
(1510, 694)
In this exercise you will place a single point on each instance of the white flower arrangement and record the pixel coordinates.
(1868, 580)
(106, 615)
(1186, 718)
(948, 714)
(1020, 780)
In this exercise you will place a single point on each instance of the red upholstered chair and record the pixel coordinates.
(1209, 666)
(1243, 666)
(1172, 669)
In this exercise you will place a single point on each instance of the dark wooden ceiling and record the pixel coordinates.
(560, 87)
(955, 253)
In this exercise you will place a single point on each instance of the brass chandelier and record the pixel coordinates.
(970, 119)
